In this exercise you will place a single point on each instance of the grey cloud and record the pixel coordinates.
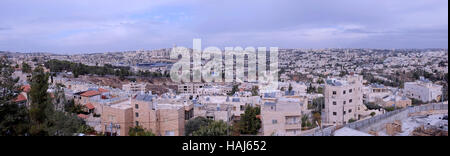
(108, 25)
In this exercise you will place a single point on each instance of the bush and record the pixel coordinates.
(195, 124)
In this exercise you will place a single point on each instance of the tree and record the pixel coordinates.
(305, 122)
(351, 120)
(234, 90)
(317, 104)
(320, 81)
(26, 68)
(85, 129)
(249, 123)
(139, 131)
(317, 119)
(255, 91)
(195, 124)
(215, 128)
(40, 102)
(14, 119)
(311, 89)
(62, 124)
(320, 90)
(373, 114)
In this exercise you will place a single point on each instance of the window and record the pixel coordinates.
(242, 107)
(274, 122)
(345, 102)
(350, 110)
(350, 101)
(137, 123)
(334, 113)
(334, 103)
(334, 92)
(344, 92)
(137, 114)
(136, 106)
(345, 112)
(350, 91)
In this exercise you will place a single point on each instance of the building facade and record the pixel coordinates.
(343, 100)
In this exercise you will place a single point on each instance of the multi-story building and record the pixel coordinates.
(423, 90)
(117, 119)
(189, 88)
(133, 88)
(225, 108)
(375, 92)
(163, 116)
(343, 100)
(281, 117)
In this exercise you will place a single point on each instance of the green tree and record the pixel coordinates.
(255, 91)
(40, 102)
(305, 122)
(234, 90)
(320, 81)
(14, 118)
(317, 104)
(195, 124)
(351, 120)
(215, 128)
(139, 131)
(26, 68)
(249, 123)
(63, 124)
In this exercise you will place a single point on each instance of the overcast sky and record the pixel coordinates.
(85, 26)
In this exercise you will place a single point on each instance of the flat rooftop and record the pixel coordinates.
(122, 105)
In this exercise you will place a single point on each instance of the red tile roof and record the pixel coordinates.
(20, 98)
(90, 93)
(26, 88)
(90, 106)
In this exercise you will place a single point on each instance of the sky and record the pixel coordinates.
(88, 26)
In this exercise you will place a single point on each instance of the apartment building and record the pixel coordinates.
(214, 90)
(117, 119)
(190, 88)
(375, 92)
(133, 88)
(423, 90)
(165, 116)
(281, 117)
(343, 100)
(225, 108)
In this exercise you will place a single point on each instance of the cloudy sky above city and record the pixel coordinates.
(85, 26)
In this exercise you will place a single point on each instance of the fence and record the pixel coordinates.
(402, 113)
(398, 114)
